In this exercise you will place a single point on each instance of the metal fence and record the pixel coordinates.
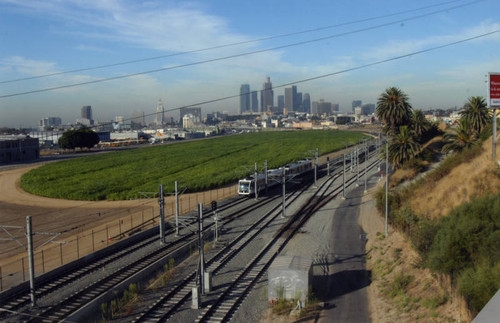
(82, 243)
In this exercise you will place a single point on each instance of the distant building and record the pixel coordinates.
(298, 102)
(355, 104)
(367, 109)
(50, 122)
(244, 98)
(321, 107)
(138, 119)
(266, 96)
(160, 113)
(255, 101)
(195, 112)
(86, 112)
(281, 102)
(86, 116)
(306, 103)
(290, 98)
(18, 148)
(335, 107)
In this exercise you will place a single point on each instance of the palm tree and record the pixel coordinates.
(393, 109)
(419, 123)
(459, 138)
(477, 114)
(403, 146)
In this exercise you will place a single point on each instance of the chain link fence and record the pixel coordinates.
(83, 242)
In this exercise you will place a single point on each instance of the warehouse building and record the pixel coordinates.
(18, 148)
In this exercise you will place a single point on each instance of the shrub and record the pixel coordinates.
(479, 283)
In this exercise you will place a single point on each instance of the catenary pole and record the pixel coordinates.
(162, 215)
(343, 181)
(31, 262)
(283, 206)
(255, 181)
(200, 247)
(366, 160)
(176, 210)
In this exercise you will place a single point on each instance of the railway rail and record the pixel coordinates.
(78, 299)
(229, 300)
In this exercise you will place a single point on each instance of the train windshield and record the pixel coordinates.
(244, 187)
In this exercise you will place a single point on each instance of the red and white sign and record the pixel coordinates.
(494, 90)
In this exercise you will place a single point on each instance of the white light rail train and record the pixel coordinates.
(246, 186)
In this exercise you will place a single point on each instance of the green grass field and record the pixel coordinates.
(199, 165)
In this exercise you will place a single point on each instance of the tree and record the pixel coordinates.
(403, 146)
(394, 109)
(459, 138)
(420, 124)
(477, 114)
(79, 138)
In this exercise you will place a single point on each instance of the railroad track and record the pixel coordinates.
(230, 299)
(44, 288)
(83, 296)
(166, 306)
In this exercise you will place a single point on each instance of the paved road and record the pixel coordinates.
(346, 294)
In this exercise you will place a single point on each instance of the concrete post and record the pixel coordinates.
(31, 262)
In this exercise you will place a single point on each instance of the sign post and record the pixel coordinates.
(494, 103)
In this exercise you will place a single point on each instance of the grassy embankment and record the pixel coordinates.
(199, 165)
(452, 218)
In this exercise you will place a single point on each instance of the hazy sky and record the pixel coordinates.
(52, 36)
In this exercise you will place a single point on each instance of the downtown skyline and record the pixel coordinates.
(41, 38)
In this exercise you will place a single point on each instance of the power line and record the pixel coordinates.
(337, 72)
(235, 55)
(242, 42)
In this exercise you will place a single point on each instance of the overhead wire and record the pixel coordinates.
(234, 55)
(351, 69)
(241, 42)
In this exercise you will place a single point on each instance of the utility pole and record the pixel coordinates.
(176, 210)
(343, 181)
(386, 187)
(265, 173)
(315, 165)
(366, 160)
(255, 181)
(200, 247)
(283, 207)
(162, 215)
(29, 235)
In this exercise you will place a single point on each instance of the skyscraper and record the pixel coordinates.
(244, 98)
(195, 112)
(281, 103)
(307, 103)
(355, 104)
(298, 102)
(87, 112)
(160, 113)
(255, 102)
(290, 97)
(266, 96)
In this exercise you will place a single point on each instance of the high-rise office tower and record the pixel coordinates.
(290, 97)
(355, 104)
(266, 96)
(255, 101)
(306, 103)
(298, 102)
(244, 98)
(160, 113)
(281, 103)
(87, 112)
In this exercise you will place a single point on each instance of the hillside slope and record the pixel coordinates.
(464, 181)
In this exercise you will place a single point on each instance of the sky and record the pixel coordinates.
(189, 52)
